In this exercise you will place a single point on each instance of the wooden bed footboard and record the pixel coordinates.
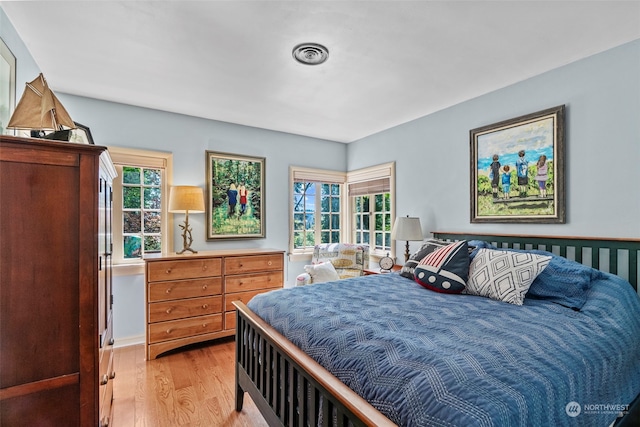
(289, 387)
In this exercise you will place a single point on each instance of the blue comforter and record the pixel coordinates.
(429, 359)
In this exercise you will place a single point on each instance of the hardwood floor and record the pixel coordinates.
(193, 387)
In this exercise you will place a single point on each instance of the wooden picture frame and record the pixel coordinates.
(235, 205)
(7, 86)
(517, 169)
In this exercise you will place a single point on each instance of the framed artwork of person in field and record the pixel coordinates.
(517, 169)
(235, 196)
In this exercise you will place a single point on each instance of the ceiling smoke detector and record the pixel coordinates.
(310, 53)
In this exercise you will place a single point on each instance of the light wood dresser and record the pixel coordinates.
(189, 297)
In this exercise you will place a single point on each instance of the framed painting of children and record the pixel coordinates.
(517, 169)
(235, 196)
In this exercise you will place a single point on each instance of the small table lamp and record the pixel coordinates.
(185, 199)
(409, 229)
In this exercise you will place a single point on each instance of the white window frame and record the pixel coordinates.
(146, 159)
(347, 228)
(297, 173)
(373, 173)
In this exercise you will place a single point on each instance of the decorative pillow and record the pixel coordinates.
(563, 282)
(323, 272)
(445, 269)
(504, 275)
(427, 247)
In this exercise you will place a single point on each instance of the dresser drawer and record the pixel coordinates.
(240, 296)
(183, 269)
(251, 282)
(164, 291)
(230, 320)
(164, 331)
(179, 309)
(256, 263)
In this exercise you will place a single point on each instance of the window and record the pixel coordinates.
(140, 218)
(372, 207)
(317, 208)
(372, 217)
(141, 211)
(321, 212)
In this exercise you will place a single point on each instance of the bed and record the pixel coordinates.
(383, 350)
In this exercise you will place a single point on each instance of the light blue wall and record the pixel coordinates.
(188, 138)
(602, 95)
(602, 98)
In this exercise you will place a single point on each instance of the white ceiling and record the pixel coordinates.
(390, 61)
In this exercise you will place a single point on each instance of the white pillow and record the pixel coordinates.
(323, 272)
(504, 275)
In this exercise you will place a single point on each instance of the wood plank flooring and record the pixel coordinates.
(192, 387)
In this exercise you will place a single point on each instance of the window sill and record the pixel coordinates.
(300, 257)
(128, 269)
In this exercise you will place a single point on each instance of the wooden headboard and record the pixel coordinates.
(616, 256)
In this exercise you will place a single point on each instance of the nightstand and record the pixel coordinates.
(369, 271)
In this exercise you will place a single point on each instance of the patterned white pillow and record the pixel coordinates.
(504, 275)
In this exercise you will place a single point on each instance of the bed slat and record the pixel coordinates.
(288, 387)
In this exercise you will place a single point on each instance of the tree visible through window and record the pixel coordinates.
(141, 211)
(315, 204)
(372, 218)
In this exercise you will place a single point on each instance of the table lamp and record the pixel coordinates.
(409, 229)
(185, 199)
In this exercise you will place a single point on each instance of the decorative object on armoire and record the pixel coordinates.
(185, 199)
(81, 134)
(409, 229)
(517, 169)
(235, 196)
(39, 110)
(56, 332)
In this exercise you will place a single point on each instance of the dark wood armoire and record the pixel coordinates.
(56, 335)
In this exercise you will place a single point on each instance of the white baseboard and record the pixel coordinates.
(127, 341)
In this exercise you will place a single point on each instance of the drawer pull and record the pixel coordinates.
(169, 310)
(270, 262)
(204, 267)
(168, 290)
(205, 306)
(104, 380)
(169, 331)
(204, 325)
(168, 271)
(113, 375)
(204, 286)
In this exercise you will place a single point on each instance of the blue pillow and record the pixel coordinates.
(563, 282)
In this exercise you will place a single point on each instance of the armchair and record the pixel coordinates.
(348, 259)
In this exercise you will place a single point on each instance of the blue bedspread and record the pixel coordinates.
(429, 359)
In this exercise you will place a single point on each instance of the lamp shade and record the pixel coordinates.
(407, 228)
(183, 198)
